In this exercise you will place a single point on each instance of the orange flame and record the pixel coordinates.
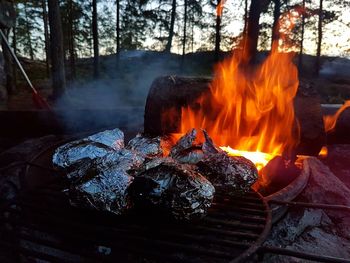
(331, 120)
(323, 152)
(220, 7)
(250, 111)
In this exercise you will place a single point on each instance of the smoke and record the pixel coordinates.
(118, 97)
(336, 68)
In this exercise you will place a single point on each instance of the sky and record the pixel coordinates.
(336, 35)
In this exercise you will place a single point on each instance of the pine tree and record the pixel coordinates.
(56, 43)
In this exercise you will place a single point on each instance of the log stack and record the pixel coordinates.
(171, 93)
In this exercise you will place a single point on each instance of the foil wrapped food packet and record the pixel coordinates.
(176, 188)
(89, 148)
(103, 183)
(232, 175)
(190, 149)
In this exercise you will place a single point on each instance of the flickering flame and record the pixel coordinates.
(324, 152)
(250, 111)
(331, 120)
(220, 7)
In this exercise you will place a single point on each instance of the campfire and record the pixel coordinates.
(245, 164)
(249, 110)
(249, 113)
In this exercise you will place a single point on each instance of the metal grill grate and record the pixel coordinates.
(40, 224)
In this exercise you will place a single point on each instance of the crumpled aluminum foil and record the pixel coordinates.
(149, 147)
(175, 187)
(187, 150)
(89, 148)
(233, 175)
(103, 183)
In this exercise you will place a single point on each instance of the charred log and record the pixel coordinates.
(167, 95)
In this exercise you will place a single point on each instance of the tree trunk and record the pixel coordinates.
(245, 17)
(185, 27)
(95, 38)
(192, 36)
(171, 28)
(14, 46)
(71, 44)
(56, 38)
(117, 28)
(46, 36)
(30, 46)
(300, 62)
(275, 26)
(217, 35)
(8, 66)
(251, 43)
(319, 42)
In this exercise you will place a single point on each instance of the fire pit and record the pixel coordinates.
(42, 225)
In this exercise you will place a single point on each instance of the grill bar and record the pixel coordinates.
(43, 216)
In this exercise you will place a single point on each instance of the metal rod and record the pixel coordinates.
(17, 62)
(297, 254)
(311, 205)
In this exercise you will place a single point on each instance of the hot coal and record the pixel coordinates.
(176, 188)
(147, 146)
(103, 183)
(233, 175)
(89, 148)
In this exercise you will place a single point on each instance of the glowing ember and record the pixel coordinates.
(251, 110)
(331, 120)
(324, 152)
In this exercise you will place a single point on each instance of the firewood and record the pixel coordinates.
(170, 94)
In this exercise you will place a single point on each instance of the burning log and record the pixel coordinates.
(175, 187)
(94, 146)
(102, 184)
(168, 95)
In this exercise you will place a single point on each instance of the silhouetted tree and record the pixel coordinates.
(95, 38)
(46, 36)
(56, 44)
(319, 37)
(171, 27)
